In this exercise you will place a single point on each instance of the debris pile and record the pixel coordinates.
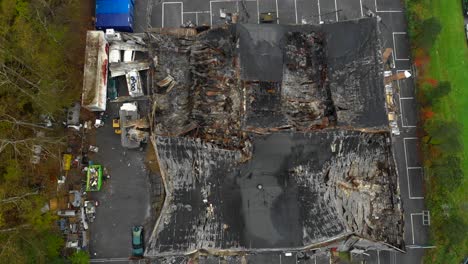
(197, 88)
(306, 95)
(252, 160)
(133, 129)
(298, 190)
(360, 182)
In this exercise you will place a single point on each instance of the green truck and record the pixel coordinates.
(94, 178)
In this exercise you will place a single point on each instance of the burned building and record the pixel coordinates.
(273, 138)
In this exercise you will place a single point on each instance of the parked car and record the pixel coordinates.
(137, 241)
(465, 7)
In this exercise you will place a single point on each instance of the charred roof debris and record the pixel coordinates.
(273, 138)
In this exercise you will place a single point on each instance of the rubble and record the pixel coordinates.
(273, 137)
(120, 45)
(329, 184)
(122, 68)
(128, 113)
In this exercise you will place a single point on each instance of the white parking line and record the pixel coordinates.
(412, 227)
(419, 247)
(336, 11)
(181, 11)
(394, 46)
(410, 168)
(404, 146)
(401, 112)
(258, 13)
(277, 12)
(295, 9)
(387, 11)
(362, 12)
(320, 16)
(378, 256)
(411, 197)
(398, 81)
(211, 15)
(196, 12)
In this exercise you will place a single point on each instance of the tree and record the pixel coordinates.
(434, 93)
(427, 32)
(53, 243)
(445, 135)
(41, 58)
(447, 169)
(79, 257)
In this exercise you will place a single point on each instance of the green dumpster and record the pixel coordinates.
(94, 178)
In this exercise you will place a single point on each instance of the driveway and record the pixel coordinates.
(124, 198)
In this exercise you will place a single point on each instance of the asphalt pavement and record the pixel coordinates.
(158, 13)
(124, 198)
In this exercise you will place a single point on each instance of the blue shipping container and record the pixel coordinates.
(119, 22)
(114, 7)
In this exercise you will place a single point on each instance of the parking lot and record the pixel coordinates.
(157, 13)
(124, 200)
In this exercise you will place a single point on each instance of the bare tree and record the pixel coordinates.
(16, 198)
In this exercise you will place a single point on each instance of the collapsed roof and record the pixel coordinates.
(273, 137)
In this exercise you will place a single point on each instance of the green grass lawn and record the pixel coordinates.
(448, 62)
